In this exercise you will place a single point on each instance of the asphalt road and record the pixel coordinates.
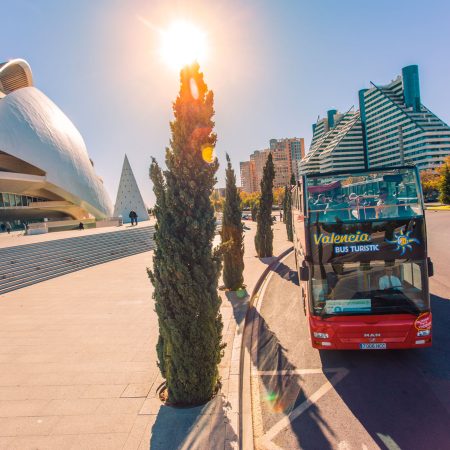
(346, 400)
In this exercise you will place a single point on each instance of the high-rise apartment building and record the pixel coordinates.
(399, 129)
(247, 176)
(258, 160)
(392, 127)
(337, 144)
(286, 154)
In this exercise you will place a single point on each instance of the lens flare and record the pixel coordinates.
(208, 154)
(194, 88)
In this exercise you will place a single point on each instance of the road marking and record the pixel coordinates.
(340, 374)
(388, 441)
(299, 371)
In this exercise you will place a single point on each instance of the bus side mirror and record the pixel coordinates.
(430, 267)
(304, 273)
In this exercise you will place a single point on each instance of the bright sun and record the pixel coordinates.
(183, 43)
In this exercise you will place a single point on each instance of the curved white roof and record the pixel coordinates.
(35, 130)
(15, 74)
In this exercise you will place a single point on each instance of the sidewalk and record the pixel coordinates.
(78, 363)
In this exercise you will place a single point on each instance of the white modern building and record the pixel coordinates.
(399, 128)
(337, 144)
(45, 170)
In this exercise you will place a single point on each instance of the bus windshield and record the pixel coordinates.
(377, 287)
(390, 193)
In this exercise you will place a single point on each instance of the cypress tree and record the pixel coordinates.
(288, 213)
(285, 199)
(232, 234)
(264, 233)
(254, 211)
(185, 268)
(445, 186)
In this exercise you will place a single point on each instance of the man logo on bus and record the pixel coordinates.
(403, 241)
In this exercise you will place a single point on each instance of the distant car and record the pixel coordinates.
(431, 197)
(246, 217)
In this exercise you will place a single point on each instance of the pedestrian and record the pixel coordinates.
(81, 226)
(281, 215)
(3, 227)
(131, 216)
(8, 227)
(135, 218)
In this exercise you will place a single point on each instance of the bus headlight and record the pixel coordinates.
(423, 333)
(321, 335)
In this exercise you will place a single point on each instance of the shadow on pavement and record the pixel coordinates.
(280, 394)
(239, 305)
(200, 427)
(402, 398)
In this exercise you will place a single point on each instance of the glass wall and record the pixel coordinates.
(11, 200)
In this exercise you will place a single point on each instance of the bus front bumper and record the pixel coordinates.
(384, 332)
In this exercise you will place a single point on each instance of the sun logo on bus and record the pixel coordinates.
(403, 241)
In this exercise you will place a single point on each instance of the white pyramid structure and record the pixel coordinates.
(128, 196)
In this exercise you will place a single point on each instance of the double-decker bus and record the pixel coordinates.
(361, 253)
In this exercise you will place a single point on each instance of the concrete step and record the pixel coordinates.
(36, 258)
(25, 283)
(33, 263)
(51, 264)
(31, 248)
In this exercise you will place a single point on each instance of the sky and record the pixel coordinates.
(274, 67)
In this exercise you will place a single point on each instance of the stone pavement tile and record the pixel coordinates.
(120, 406)
(53, 392)
(23, 426)
(136, 390)
(146, 438)
(118, 423)
(18, 408)
(141, 427)
(71, 407)
(7, 357)
(5, 441)
(103, 391)
(37, 358)
(105, 441)
(8, 378)
(151, 406)
(67, 442)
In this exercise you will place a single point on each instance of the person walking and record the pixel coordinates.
(135, 218)
(8, 227)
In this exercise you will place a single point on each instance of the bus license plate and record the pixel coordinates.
(379, 346)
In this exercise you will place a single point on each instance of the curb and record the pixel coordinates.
(245, 408)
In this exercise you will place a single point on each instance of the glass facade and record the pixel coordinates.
(11, 200)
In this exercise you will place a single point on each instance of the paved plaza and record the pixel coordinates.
(78, 363)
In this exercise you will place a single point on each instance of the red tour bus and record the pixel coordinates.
(361, 253)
